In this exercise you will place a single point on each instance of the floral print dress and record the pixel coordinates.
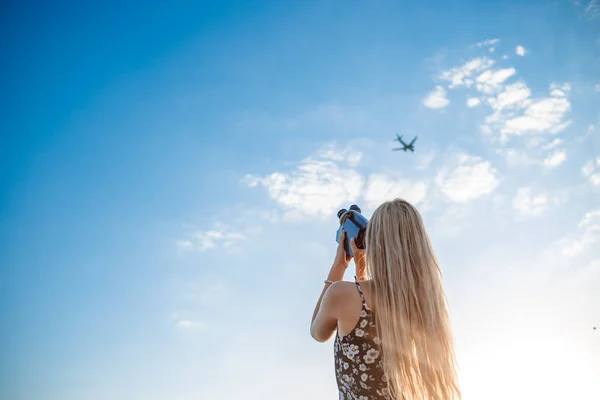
(358, 364)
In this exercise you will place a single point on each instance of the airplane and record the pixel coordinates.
(406, 146)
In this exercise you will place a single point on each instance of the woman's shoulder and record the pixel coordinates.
(342, 288)
(348, 289)
(341, 292)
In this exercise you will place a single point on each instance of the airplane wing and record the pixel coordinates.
(413, 141)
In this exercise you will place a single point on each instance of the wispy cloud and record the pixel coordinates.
(528, 203)
(487, 43)
(334, 152)
(592, 8)
(437, 98)
(464, 75)
(556, 142)
(490, 82)
(467, 178)
(589, 130)
(591, 170)
(509, 98)
(318, 186)
(219, 235)
(516, 157)
(515, 114)
(589, 8)
(555, 159)
(514, 111)
(538, 152)
(473, 102)
(588, 233)
(187, 324)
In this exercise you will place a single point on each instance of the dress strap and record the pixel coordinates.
(362, 296)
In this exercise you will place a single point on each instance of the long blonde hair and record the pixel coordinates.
(410, 306)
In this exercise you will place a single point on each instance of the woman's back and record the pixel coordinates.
(357, 354)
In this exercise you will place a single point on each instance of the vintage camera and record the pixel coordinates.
(354, 224)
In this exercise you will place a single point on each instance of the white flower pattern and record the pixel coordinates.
(352, 351)
(358, 365)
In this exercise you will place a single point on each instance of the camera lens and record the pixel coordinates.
(341, 212)
(354, 207)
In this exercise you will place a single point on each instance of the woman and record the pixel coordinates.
(393, 339)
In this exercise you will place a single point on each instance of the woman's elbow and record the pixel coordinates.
(319, 336)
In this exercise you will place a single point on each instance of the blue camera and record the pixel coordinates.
(355, 225)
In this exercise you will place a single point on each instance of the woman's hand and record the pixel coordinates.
(342, 259)
(360, 261)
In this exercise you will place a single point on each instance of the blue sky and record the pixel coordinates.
(170, 175)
